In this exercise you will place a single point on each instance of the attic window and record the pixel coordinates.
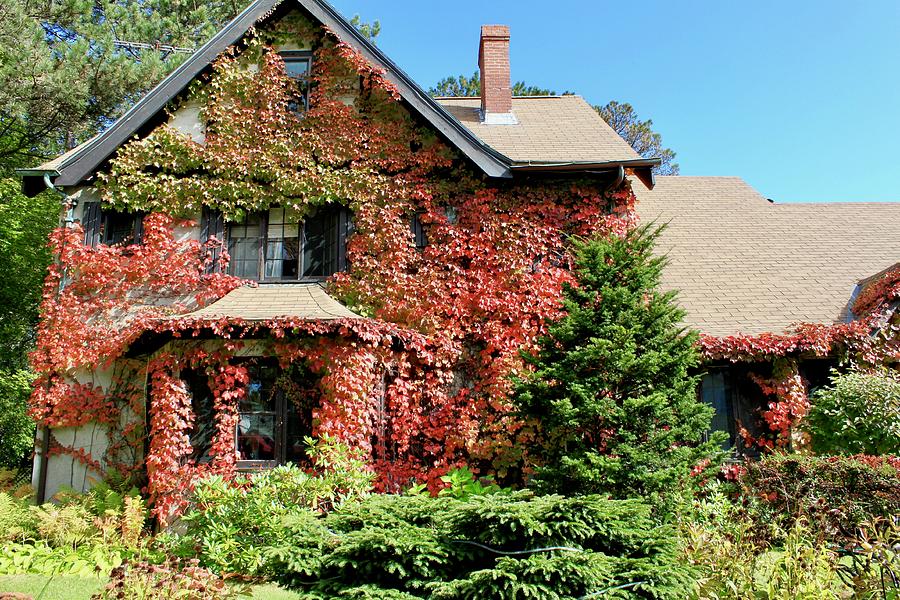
(297, 65)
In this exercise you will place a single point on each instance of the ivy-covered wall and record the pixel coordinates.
(421, 381)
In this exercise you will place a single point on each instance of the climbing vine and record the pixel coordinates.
(419, 381)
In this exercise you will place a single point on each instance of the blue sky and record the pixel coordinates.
(800, 98)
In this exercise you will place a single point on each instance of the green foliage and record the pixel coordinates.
(462, 484)
(462, 86)
(41, 558)
(25, 224)
(858, 413)
(233, 524)
(80, 535)
(16, 427)
(835, 495)
(510, 545)
(612, 387)
(368, 30)
(737, 559)
(622, 117)
(871, 566)
(64, 76)
(17, 522)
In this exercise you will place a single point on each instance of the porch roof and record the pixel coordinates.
(265, 302)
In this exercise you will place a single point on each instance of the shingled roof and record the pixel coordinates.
(271, 301)
(78, 165)
(549, 129)
(743, 264)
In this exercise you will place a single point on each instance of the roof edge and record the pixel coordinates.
(77, 167)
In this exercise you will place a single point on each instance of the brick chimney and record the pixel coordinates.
(493, 61)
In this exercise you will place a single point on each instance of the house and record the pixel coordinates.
(288, 236)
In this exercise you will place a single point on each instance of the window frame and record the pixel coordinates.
(298, 56)
(281, 409)
(96, 222)
(344, 229)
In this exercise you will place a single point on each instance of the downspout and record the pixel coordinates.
(69, 218)
(620, 177)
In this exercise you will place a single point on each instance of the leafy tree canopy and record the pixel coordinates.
(622, 117)
(462, 86)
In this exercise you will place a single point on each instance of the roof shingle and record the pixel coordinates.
(742, 264)
(549, 129)
(270, 301)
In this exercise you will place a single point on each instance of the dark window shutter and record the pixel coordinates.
(139, 228)
(212, 225)
(418, 230)
(91, 221)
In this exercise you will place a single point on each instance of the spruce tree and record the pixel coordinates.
(614, 388)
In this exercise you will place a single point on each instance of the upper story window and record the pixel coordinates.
(297, 65)
(420, 236)
(110, 227)
(279, 245)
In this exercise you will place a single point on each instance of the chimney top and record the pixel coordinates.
(496, 89)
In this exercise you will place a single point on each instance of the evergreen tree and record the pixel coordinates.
(613, 386)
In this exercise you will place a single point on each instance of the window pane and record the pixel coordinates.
(204, 428)
(118, 228)
(301, 396)
(714, 392)
(324, 242)
(282, 244)
(297, 68)
(243, 247)
(256, 430)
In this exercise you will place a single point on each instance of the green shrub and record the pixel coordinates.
(41, 558)
(82, 534)
(612, 387)
(68, 525)
(858, 413)
(509, 545)
(834, 494)
(737, 559)
(232, 525)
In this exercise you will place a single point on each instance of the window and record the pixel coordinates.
(274, 415)
(420, 238)
(204, 428)
(297, 65)
(110, 227)
(212, 227)
(716, 391)
(279, 245)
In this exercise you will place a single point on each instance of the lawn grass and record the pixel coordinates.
(66, 587)
(63, 587)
